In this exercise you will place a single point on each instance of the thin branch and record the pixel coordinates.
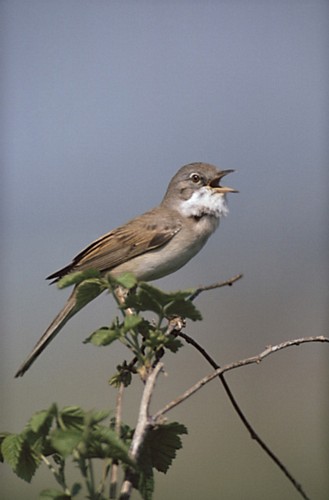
(58, 477)
(117, 427)
(232, 366)
(219, 284)
(243, 418)
(219, 373)
(234, 402)
(143, 422)
(143, 425)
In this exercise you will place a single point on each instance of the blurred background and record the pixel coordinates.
(102, 102)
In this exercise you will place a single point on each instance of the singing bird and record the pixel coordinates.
(152, 245)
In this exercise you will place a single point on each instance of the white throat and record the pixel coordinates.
(205, 201)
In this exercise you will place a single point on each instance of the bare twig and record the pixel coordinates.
(244, 419)
(219, 284)
(232, 399)
(58, 477)
(219, 373)
(117, 427)
(232, 366)
(143, 425)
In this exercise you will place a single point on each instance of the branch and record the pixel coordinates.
(219, 284)
(143, 424)
(254, 435)
(232, 366)
(59, 478)
(117, 427)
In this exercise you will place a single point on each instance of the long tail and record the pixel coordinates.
(69, 310)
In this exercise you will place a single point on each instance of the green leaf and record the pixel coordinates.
(72, 417)
(41, 421)
(103, 336)
(180, 294)
(131, 322)
(75, 489)
(121, 377)
(146, 484)
(172, 343)
(165, 298)
(3, 436)
(158, 295)
(64, 441)
(88, 290)
(183, 308)
(162, 443)
(97, 416)
(11, 449)
(53, 494)
(77, 277)
(19, 455)
(127, 280)
(105, 443)
(143, 300)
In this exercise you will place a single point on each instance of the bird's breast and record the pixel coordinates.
(173, 255)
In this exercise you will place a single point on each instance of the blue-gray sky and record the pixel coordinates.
(102, 101)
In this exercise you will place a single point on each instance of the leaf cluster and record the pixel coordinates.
(158, 452)
(146, 339)
(52, 436)
(60, 433)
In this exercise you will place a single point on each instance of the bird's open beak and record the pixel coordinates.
(215, 183)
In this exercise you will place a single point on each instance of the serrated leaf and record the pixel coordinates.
(72, 417)
(3, 436)
(172, 343)
(105, 443)
(183, 308)
(20, 456)
(77, 277)
(162, 444)
(98, 416)
(42, 419)
(131, 322)
(64, 441)
(158, 295)
(11, 449)
(122, 377)
(103, 336)
(127, 280)
(146, 484)
(88, 290)
(28, 464)
(53, 494)
(165, 298)
(143, 301)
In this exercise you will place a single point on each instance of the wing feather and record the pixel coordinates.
(122, 244)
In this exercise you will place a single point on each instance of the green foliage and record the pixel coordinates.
(77, 277)
(158, 452)
(103, 336)
(161, 445)
(164, 304)
(147, 340)
(127, 280)
(55, 436)
(72, 432)
(88, 290)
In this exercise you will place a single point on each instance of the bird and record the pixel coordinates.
(152, 245)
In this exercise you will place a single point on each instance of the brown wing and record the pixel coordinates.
(122, 244)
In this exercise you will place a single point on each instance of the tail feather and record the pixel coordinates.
(69, 310)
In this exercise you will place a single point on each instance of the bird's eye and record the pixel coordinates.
(195, 178)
